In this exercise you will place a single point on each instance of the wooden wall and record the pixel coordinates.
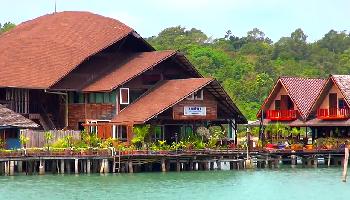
(80, 112)
(208, 101)
(37, 138)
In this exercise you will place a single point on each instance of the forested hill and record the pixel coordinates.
(248, 66)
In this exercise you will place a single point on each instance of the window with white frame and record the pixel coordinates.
(196, 95)
(124, 96)
(120, 132)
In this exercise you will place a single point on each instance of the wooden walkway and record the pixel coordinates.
(110, 161)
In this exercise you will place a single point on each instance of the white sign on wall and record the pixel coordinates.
(195, 110)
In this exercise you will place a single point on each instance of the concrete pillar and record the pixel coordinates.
(19, 166)
(62, 166)
(102, 166)
(294, 160)
(131, 170)
(329, 160)
(7, 168)
(163, 165)
(106, 170)
(42, 167)
(76, 166)
(315, 162)
(88, 166)
(12, 168)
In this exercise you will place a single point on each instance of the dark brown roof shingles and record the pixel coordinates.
(39, 52)
(134, 66)
(9, 118)
(158, 99)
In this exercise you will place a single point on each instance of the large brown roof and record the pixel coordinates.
(302, 91)
(9, 118)
(39, 52)
(160, 98)
(125, 70)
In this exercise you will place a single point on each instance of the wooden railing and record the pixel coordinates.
(283, 115)
(333, 113)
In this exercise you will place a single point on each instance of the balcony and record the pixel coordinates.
(281, 115)
(333, 113)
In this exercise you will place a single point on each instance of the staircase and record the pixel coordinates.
(45, 119)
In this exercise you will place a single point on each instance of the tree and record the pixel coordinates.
(6, 27)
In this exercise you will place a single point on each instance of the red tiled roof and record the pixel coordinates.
(39, 52)
(302, 91)
(160, 98)
(343, 83)
(135, 65)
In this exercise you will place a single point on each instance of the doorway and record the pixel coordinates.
(170, 132)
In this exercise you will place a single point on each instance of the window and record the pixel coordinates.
(186, 131)
(196, 95)
(341, 103)
(159, 133)
(99, 97)
(191, 97)
(124, 96)
(277, 104)
(108, 97)
(75, 97)
(121, 133)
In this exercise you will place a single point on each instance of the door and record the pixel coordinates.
(333, 104)
(170, 133)
(284, 102)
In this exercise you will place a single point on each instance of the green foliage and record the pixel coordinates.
(90, 139)
(248, 66)
(141, 132)
(48, 137)
(2, 144)
(23, 140)
(107, 143)
(6, 27)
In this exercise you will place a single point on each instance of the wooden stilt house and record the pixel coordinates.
(68, 70)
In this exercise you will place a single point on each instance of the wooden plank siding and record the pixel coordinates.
(208, 101)
(78, 113)
(37, 138)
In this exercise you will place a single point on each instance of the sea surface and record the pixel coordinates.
(281, 184)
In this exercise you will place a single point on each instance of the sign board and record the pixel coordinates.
(195, 110)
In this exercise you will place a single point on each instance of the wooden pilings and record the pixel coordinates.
(165, 163)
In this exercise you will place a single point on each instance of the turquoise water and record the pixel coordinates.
(320, 183)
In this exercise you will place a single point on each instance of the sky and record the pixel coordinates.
(276, 18)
